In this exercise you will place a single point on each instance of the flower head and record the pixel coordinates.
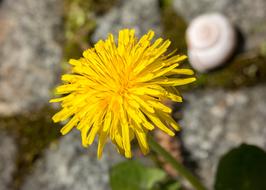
(117, 91)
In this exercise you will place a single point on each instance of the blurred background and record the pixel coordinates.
(223, 109)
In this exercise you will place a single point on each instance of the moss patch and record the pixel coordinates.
(33, 133)
(79, 19)
(245, 70)
(79, 24)
(173, 26)
(100, 7)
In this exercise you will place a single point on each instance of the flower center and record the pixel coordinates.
(123, 87)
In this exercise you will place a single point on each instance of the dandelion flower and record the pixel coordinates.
(117, 90)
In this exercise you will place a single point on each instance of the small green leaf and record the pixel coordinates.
(131, 175)
(173, 186)
(242, 168)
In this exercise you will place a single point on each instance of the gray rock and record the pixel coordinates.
(216, 120)
(30, 55)
(8, 153)
(142, 15)
(69, 166)
(248, 16)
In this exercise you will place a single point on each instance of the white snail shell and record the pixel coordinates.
(211, 41)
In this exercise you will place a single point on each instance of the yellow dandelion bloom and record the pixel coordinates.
(116, 91)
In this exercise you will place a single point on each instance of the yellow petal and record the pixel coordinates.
(142, 140)
(102, 141)
(125, 133)
(158, 123)
(174, 82)
(181, 72)
(69, 125)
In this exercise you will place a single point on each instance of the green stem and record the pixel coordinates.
(178, 166)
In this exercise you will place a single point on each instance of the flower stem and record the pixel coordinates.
(178, 166)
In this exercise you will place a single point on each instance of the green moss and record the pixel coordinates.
(245, 70)
(100, 7)
(33, 133)
(79, 25)
(174, 27)
(79, 19)
(263, 49)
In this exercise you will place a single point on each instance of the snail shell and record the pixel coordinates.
(211, 41)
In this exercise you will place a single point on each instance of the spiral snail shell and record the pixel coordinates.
(211, 41)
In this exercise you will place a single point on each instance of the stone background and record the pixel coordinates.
(32, 38)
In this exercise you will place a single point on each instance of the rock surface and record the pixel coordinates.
(30, 55)
(142, 15)
(69, 166)
(8, 151)
(248, 16)
(216, 120)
